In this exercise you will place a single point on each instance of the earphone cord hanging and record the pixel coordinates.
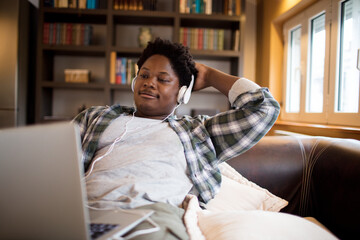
(118, 139)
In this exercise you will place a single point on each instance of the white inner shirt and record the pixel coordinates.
(148, 165)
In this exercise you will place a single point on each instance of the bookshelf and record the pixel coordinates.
(115, 30)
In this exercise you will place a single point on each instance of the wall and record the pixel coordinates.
(271, 16)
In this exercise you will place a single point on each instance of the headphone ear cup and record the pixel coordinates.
(187, 96)
(133, 84)
(181, 94)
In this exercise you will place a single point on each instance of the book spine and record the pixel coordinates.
(236, 40)
(182, 6)
(88, 4)
(216, 39)
(118, 75)
(198, 6)
(82, 34)
(129, 71)
(205, 40)
(181, 35)
(185, 38)
(221, 39)
(123, 70)
(78, 35)
(112, 67)
(238, 7)
(68, 33)
(82, 4)
(200, 38)
(46, 32)
(211, 39)
(51, 28)
(63, 3)
(208, 7)
(73, 34)
(54, 33)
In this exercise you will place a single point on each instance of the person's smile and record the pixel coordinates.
(148, 94)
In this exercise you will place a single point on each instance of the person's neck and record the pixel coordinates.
(160, 117)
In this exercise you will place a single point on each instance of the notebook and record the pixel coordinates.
(42, 192)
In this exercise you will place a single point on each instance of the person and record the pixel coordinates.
(146, 157)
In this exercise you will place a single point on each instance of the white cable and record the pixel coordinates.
(143, 231)
(118, 139)
(136, 233)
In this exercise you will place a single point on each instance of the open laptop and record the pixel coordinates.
(42, 193)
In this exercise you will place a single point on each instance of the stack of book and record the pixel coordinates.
(135, 5)
(122, 69)
(226, 7)
(202, 38)
(67, 34)
(82, 4)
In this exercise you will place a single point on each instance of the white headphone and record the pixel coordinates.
(184, 92)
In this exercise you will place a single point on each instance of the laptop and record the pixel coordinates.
(42, 192)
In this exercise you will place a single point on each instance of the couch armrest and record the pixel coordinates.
(320, 177)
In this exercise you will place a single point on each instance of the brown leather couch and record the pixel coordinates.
(319, 177)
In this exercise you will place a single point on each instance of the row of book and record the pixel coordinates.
(82, 4)
(226, 7)
(122, 69)
(135, 5)
(202, 38)
(67, 34)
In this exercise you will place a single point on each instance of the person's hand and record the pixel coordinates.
(200, 81)
(210, 77)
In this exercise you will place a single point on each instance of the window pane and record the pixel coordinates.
(294, 72)
(316, 65)
(348, 79)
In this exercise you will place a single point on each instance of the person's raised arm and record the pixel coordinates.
(210, 77)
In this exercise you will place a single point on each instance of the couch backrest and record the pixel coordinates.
(320, 177)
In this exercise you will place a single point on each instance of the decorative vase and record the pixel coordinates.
(144, 36)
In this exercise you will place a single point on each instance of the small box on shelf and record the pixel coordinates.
(77, 75)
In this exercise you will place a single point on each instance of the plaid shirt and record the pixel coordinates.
(207, 141)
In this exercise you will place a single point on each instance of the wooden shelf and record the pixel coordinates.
(65, 85)
(126, 87)
(76, 50)
(109, 27)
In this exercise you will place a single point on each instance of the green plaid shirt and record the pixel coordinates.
(207, 141)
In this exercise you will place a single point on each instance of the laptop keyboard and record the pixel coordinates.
(98, 229)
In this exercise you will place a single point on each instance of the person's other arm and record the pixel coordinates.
(253, 113)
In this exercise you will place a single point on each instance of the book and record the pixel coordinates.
(112, 67)
(118, 74)
(72, 3)
(82, 4)
(68, 34)
(129, 71)
(221, 34)
(63, 3)
(123, 70)
(46, 32)
(236, 40)
(182, 6)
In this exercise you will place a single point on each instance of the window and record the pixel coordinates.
(348, 85)
(321, 78)
(293, 85)
(315, 82)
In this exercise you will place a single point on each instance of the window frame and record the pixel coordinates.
(336, 118)
(332, 10)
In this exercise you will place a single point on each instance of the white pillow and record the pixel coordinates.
(258, 225)
(238, 193)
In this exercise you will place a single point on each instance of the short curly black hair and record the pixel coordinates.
(180, 58)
